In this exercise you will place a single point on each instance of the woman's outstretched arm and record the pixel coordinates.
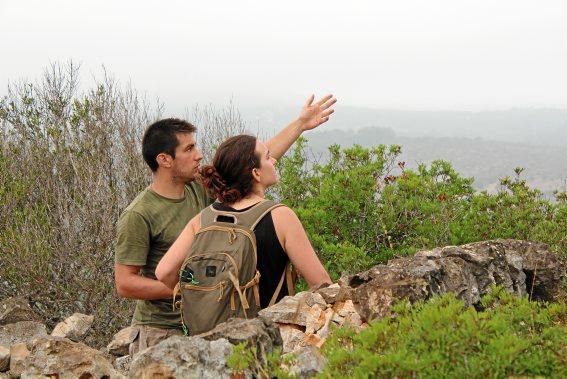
(294, 240)
(167, 270)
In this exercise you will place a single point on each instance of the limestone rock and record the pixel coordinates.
(292, 336)
(66, 359)
(543, 268)
(315, 319)
(122, 364)
(329, 293)
(14, 309)
(4, 358)
(122, 340)
(468, 271)
(74, 327)
(183, 357)
(308, 362)
(293, 310)
(21, 332)
(18, 353)
(256, 332)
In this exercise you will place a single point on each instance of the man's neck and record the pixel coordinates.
(167, 187)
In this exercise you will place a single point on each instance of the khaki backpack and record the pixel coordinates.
(219, 279)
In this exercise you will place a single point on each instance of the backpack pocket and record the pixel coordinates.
(205, 290)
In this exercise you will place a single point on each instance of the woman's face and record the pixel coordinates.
(266, 174)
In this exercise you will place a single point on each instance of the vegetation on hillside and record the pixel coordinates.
(70, 163)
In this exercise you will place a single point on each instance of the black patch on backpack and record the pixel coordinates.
(211, 271)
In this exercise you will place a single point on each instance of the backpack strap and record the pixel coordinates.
(248, 218)
(290, 276)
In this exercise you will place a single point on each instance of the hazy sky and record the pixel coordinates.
(453, 54)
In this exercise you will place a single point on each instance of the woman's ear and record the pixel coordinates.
(256, 174)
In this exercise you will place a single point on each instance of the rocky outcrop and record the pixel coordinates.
(468, 271)
(299, 325)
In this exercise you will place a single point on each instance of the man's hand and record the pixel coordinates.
(316, 113)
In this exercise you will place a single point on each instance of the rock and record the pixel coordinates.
(4, 358)
(74, 327)
(292, 336)
(14, 309)
(183, 357)
(293, 310)
(262, 334)
(63, 358)
(330, 293)
(21, 332)
(468, 271)
(121, 341)
(544, 269)
(313, 340)
(315, 319)
(18, 353)
(308, 362)
(122, 364)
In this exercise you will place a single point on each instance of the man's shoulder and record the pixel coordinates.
(141, 203)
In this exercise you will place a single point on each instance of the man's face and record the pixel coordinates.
(185, 165)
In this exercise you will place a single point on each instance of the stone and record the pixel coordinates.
(261, 334)
(308, 362)
(293, 310)
(330, 293)
(21, 332)
(313, 340)
(63, 358)
(4, 358)
(292, 337)
(343, 309)
(183, 357)
(15, 309)
(315, 319)
(330, 315)
(74, 327)
(122, 364)
(121, 341)
(544, 269)
(18, 353)
(468, 271)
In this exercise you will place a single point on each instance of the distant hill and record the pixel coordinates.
(483, 145)
(531, 126)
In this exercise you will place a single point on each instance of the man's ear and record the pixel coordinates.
(164, 160)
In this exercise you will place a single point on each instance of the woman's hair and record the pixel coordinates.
(229, 178)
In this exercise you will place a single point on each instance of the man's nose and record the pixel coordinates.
(199, 154)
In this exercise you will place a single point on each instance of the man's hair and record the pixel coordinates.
(161, 137)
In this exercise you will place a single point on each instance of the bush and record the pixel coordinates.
(444, 338)
(363, 207)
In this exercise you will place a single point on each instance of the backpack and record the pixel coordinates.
(219, 279)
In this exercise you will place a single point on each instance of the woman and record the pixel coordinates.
(242, 171)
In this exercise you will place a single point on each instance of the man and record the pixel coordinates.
(151, 223)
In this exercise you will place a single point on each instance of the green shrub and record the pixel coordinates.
(445, 339)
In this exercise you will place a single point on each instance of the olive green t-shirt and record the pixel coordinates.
(146, 229)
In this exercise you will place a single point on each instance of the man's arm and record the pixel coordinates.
(131, 285)
(311, 116)
(131, 251)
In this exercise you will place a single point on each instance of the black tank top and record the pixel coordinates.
(272, 258)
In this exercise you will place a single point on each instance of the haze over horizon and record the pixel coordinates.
(405, 55)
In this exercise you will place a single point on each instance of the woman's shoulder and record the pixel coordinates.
(283, 216)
